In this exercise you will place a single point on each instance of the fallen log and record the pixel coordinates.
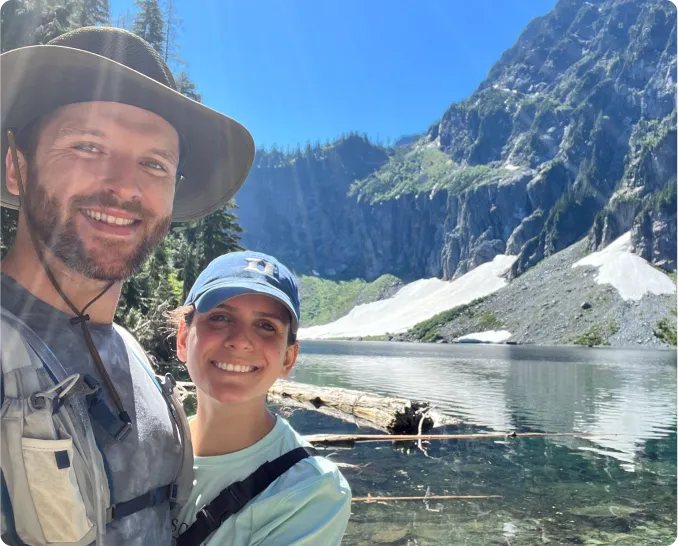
(393, 415)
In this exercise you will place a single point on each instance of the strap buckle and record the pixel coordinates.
(205, 515)
(126, 427)
(110, 513)
(168, 383)
(173, 493)
(239, 498)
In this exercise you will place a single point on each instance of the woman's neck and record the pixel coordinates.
(219, 429)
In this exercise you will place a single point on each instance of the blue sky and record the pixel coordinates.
(298, 70)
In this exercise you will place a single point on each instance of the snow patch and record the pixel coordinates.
(415, 302)
(510, 167)
(491, 336)
(631, 275)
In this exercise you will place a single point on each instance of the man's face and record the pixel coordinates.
(101, 186)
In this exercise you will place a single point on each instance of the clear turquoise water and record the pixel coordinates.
(604, 490)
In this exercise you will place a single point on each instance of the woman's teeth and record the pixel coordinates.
(108, 219)
(234, 367)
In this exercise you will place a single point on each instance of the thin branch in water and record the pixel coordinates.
(329, 439)
(370, 498)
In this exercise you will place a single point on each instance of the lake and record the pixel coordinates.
(617, 489)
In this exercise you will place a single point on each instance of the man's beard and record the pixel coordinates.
(44, 213)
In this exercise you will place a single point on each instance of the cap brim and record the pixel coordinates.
(38, 79)
(217, 293)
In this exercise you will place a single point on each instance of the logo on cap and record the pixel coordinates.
(262, 266)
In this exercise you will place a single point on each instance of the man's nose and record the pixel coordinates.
(122, 177)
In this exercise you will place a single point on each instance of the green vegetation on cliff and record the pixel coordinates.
(421, 170)
(666, 331)
(428, 330)
(324, 300)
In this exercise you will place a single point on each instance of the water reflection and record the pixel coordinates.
(629, 393)
(612, 490)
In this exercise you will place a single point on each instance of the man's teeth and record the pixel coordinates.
(108, 219)
(234, 367)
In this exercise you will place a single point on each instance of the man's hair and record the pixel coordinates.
(186, 313)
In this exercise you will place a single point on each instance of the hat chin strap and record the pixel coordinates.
(80, 316)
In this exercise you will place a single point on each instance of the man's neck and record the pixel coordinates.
(24, 266)
(219, 429)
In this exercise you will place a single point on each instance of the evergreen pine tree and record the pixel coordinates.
(209, 238)
(93, 12)
(186, 86)
(56, 20)
(19, 19)
(172, 28)
(8, 222)
(149, 23)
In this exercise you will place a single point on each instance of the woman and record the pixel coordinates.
(237, 335)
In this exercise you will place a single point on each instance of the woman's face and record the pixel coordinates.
(237, 350)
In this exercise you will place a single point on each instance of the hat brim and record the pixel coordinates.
(218, 293)
(36, 80)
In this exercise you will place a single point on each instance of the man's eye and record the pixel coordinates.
(88, 148)
(155, 165)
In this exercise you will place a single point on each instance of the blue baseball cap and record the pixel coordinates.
(247, 272)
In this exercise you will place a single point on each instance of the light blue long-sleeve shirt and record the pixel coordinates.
(308, 505)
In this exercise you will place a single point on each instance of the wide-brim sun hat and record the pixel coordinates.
(114, 65)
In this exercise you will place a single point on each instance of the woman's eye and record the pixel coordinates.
(267, 326)
(218, 318)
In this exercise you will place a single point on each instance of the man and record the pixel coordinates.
(101, 153)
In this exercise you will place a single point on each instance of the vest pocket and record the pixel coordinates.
(54, 487)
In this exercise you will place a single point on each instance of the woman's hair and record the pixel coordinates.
(186, 313)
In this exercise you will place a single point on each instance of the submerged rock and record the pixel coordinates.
(605, 511)
(390, 536)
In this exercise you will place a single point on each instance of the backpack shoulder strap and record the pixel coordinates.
(19, 365)
(184, 480)
(236, 496)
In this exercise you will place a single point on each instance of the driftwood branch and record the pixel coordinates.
(370, 498)
(349, 439)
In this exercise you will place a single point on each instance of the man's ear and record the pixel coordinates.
(291, 354)
(182, 341)
(10, 172)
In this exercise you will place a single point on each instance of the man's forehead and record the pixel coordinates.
(95, 117)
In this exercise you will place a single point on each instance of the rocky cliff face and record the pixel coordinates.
(572, 134)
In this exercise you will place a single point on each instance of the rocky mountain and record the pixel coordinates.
(572, 135)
